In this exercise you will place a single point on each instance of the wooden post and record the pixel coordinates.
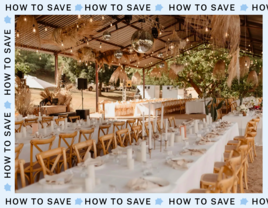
(143, 83)
(97, 86)
(56, 69)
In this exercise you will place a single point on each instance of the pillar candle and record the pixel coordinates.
(129, 153)
(162, 116)
(182, 134)
(143, 151)
(89, 184)
(172, 139)
(195, 126)
(155, 122)
(143, 124)
(130, 164)
(91, 172)
(166, 129)
(150, 134)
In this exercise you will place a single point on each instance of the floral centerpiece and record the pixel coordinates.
(243, 109)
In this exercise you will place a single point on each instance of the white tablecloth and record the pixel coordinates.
(196, 106)
(181, 180)
(242, 124)
(144, 107)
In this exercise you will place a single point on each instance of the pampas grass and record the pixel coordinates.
(244, 64)
(219, 70)
(233, 68)
(136, 78)
(46, 94)
(24, 26)
(64, 96)
(253, 78)
(23, 104)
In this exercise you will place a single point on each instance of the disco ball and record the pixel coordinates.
(106, 35)
(118, 54)
(142, 41)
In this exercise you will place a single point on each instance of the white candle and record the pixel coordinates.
(150, 134)
(138, 155)
(130, 164)
(65, 123)
(129, 153)
(89, 184)
(91, 172)
(162, 116)
(195, 126)
(172, 139)
(204, 120)
(39, 114)
(155, 122)
(143, 151)
(182, 134)
(166, 129)
(143, 124)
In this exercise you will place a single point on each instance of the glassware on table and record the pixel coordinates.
(112, 188)
(147, 169)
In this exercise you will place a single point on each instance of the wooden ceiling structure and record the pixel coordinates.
(121, 31)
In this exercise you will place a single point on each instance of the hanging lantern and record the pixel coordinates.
(106, 35)
(155, 32)
(142, 41)
(118, 54)
(160, 55)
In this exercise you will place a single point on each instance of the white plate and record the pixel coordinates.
(165, 185)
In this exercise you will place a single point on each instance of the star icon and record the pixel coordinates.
(78, 7)
(158, 201)
(7, 187)
(158, 7)
(78, 201)
(243, 7)
(243, 201)
(7, 105)
(7, 19)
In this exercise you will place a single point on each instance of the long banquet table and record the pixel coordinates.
(242, 124)
(196, 106)
(115, 172)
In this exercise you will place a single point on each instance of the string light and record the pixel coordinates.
(206, 29)
(79, 16)
(25, 19)
(19, 53)
(80, 60)
(71, 49)
(62, 43)
(102, 17)
(86, 63)
(91, 19)
(187, 39)
(18, 34)
(111, 24)
(77, 26)
(45, 28)
(34, 30)
(100, 45)
(36, 51)
(40, 58)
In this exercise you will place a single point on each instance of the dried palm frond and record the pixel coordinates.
(233, 68)
(219, 70)
(84, 54)
(120, 74)
(253, 78)
(46, 94)
(136, 78)
(244, 64)
(23, 103)
(26, 24)
(177, 67)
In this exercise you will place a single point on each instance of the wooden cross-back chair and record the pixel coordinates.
(44, 160)
(105, 142)
(33, 168)
(139, 121)
(123, 137)
(233, 106)
(130, 123)
(58, 120)
(19, 168)
(118, 126)
(86, 134)
(30, 121)
(226, 185)
(18, 150)
(211, 180)
(69, 150)
(104, 129)
(84, 148)
(219, 114)
(20, 123)
(136, 133)
(172, 122)
(74, 118)
(243, 150)
(47, 121)
(198, 191)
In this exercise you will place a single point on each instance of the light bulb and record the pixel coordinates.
(86, 63)
(87, 42)
(18, 34)
(102, 17)
(19, 53)
(45, 28)
(34, 30)
(80, 60)
(90, 62)
(187, 39)
(111, 24)
(77, 26)
(62, 43)
(79, 16)
(40, 58)
(71, 50)
(25, 19)
(36, 51)
(91, 19)
(206, 29)
(100, 45)
(160, 33)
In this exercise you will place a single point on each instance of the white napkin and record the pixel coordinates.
(91, 161)
(142, 184)
(178, 163)
(192, 152)
(59, 179)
